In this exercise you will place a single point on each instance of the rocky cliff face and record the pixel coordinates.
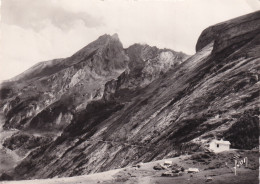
(227, 35)
(141, 103)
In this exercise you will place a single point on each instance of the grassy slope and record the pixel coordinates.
(146, 173)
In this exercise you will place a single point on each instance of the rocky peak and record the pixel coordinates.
(146, 64)
(100, 44)
(139, 54)
(115, 36)
(102, 56)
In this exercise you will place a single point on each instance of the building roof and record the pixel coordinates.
(168, 162)
(193, 169)
(222, 142)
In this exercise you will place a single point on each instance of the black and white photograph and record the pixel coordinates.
(129, 91)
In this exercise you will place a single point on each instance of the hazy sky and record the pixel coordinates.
(39, 30)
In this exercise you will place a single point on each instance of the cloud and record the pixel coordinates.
(255, 5)
(21, 48)
(35, 13)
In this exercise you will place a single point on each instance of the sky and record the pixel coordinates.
(38, 30)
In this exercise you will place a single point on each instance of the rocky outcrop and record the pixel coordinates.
(146, 64)
(231, 35)
(26, 141)
(5, 177)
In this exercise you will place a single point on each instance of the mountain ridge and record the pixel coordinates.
(159, 107)
(43, 100)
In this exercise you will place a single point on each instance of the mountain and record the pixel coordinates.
(108, 107)
(38, 104)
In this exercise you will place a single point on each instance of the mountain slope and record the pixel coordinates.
(213, 93)
(47, 82)
(43, 100)
(77, 79)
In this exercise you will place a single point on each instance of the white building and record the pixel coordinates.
(218, 146)
(167, 162)
(193, 170)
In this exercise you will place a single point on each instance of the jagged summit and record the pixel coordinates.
(115, 36)
(102, 42)
(106, 46)
(108, 36)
